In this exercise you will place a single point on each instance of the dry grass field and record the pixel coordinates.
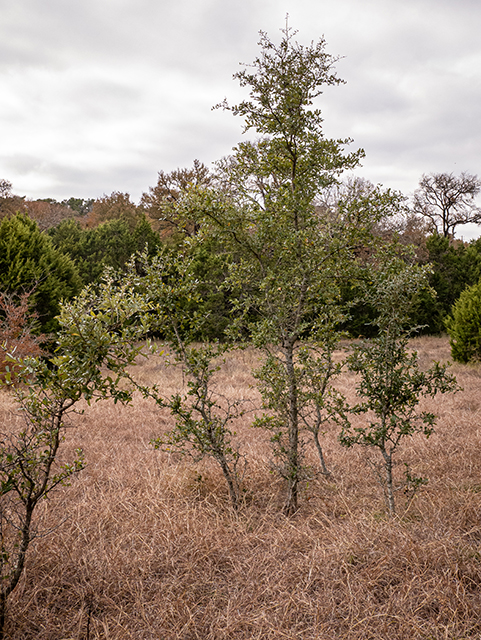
(144, 544)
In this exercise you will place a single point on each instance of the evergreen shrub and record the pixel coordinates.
(464, 325)
(30, 263)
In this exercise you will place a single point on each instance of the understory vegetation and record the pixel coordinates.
(145, 544)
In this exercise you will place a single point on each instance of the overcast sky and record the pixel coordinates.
(99, 95)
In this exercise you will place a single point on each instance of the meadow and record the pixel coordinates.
(144, 544)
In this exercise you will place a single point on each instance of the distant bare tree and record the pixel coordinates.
(10, 204)
(47, 213)
(5, 188)
(448, 200)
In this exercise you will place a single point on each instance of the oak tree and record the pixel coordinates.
(391, 382)
(289, 254)
(448, 201)
(286, 255)
(116, 206)
(97, 340)
(161, 203)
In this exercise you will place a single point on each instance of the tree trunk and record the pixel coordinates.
(389, 483)
(3, 610)
(324, 469)
(293, 432)
(229, 478)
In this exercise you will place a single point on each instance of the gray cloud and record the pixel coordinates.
(99, 95)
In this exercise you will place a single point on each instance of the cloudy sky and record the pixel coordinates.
(99, 95)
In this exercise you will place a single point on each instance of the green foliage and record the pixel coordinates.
(453, 268)
(391, 383)
(464, 325)
(209, 267)
(289, 255)
(100, 336)
(30, 262)
(110, 244)
(79, 205)
(472, 266)
(448, 278)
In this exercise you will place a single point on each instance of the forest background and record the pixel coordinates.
(94, 234)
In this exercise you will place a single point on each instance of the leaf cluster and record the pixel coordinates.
(110, 244)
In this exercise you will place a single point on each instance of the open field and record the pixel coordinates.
(143, 545)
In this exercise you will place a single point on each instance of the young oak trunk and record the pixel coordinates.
(325, 471)
(389, 482)
(293, 470)
(15, 577)
(229, 478)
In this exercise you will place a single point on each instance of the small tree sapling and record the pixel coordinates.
(203, 416)
(391, 383)
(96, 342)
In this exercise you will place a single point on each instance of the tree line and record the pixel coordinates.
(61, 257)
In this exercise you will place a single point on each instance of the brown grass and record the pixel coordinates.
(144, 545)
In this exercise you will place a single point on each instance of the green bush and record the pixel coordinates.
(30, 263)
(454, 267)
(110, 244)
(464, 325)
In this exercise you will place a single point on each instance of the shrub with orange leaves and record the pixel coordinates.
(17, 337)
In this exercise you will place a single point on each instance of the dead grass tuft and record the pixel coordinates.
(144, 545)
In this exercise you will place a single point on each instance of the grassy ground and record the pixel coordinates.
(144, 545)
